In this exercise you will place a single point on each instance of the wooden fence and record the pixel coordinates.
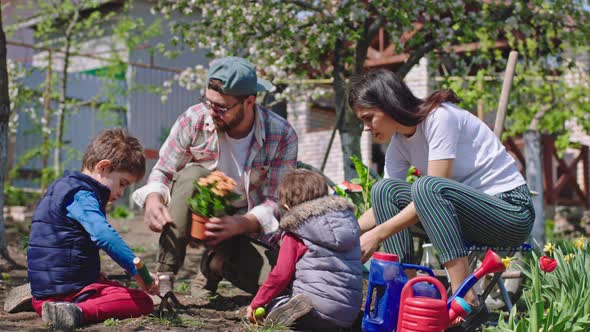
(562, 184)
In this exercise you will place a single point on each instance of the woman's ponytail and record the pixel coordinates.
(434, 100)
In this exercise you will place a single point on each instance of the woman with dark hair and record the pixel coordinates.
(472, 191)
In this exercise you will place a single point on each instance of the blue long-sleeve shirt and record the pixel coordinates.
(86, 210)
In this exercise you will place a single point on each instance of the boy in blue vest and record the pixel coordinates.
(70, 226)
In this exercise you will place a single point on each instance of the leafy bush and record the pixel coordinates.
(366, 180)
(18, 197)
(361, 199)
(213, 195)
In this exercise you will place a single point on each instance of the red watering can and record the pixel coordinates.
(425, 314)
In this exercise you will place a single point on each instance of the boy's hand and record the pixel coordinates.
(153, 289)
(156, 215)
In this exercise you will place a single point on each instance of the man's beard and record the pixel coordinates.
(226, 126)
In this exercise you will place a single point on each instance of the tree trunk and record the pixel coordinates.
(534, 179)
(61, 109)
(60, 113)
(45, 124)
(348, 125)
(4, 116)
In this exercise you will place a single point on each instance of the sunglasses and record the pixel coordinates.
(216, 108)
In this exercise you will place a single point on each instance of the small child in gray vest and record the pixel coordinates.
(320, 255)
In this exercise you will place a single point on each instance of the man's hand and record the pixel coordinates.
(369, 243)
(156, 215)
(221, 229)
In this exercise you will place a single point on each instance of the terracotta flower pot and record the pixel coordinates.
(198, 226)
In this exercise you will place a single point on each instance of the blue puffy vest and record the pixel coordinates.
(61, 256)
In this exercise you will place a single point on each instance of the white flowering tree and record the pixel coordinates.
(294, 40)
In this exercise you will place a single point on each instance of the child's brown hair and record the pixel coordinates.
(123, 150)
(301, 185)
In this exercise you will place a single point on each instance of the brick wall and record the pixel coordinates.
(313, 141)
(418, 80)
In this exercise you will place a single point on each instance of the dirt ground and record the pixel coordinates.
(220, 313)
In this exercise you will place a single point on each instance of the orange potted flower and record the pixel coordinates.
(213, 196)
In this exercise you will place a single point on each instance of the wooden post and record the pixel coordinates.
(381, 41)
(480, 113)
(547, 149)
(501, 112)
(586, 171)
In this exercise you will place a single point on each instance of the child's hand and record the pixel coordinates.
(153, 289)
(250, 314)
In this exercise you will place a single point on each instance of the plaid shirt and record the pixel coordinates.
(193, 139)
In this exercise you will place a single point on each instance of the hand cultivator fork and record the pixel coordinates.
(169, 302)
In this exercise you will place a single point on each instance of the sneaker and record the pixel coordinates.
(19, 299)
(202, 287)
(62, 315)
(473, 322)
(286, 314)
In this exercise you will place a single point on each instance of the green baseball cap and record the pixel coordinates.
(237, 76)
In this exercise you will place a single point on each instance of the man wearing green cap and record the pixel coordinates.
(229, 132)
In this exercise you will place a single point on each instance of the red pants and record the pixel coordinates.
(103, 300)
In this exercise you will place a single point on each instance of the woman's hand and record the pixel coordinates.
(367, 221)
(369, 243)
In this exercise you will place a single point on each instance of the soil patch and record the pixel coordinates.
(222, 312)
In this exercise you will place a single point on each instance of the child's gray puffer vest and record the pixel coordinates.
(330, 271)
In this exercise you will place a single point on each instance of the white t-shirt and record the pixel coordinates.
(232, 160)
(449, 132)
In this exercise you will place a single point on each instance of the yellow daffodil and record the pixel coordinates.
(580, 242)
(569, 257)
(507, 261)
(549, 248)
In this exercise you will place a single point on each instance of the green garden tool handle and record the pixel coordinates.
(143, 271)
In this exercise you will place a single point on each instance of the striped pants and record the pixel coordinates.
(452, 213)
